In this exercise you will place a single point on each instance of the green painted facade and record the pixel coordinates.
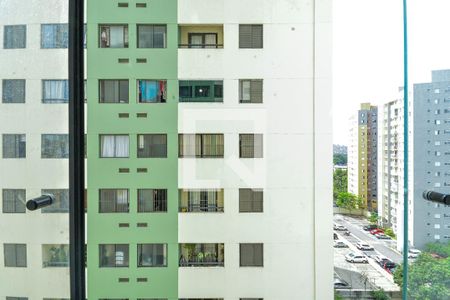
(103, 228)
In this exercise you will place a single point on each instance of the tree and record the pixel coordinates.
(373, 217)
(442, 250)
(349, 201)
(389, 232)
(340, 159)
(380, 294)
(339, 182)
(428, 278)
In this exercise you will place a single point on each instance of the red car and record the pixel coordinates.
(377, 230)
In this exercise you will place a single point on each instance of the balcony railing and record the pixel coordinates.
(200, 46)
(206, 261)
(198, 208)
(51, 264)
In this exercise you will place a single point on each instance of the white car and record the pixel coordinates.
(364, 246)
(356, 258)
(414, 253)
(339, 227)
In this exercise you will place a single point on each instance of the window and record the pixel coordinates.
(113, 255)
(152, 145)
(152, 200)
(13, 91)
(201, 255)
(113, 91)
(250, 36)
(114, 145)
(251, 255)
(113, 36)
(13, 201)
(55, 255)
(55, 91)
(202, 40)
(151, 36)
(201, 91)
(152, 255)
(152, 91)
(54, 146)
(61, 204)
(14, 146)
(250, 145)
(201, 200)
(113, 200)
(250, 200)
(54, 36)
(15, 255)
(250, 91)
(14, 36)
(200, 145)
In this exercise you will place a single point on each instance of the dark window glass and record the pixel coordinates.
(251, 255)
(14, 145)
(113, 36)
(113, 201)
(200, 91)
(13, 200)
(54, 146)
(113, 255)
(250, 36)
(152, 145)
(61, 204)
(15, 255)
(14, 36)
(152, 36)
(250, 200)
(152, 200)
(201, 145)
(152, 255)
(55, 255)
(250, 145)
(113, 91)
(13, 91)
(251, 91)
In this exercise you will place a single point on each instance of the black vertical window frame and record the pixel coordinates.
(76, 150)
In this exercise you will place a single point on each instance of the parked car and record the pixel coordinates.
(382, 236)
(364, 246)
(414, 253)
(380, 259)
(335, 236)
(370, 227)
(356, 258)
(376, 230)
(339, 227)
(341, 284)
(389, 265)
(340, 244)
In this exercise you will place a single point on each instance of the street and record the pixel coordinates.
(363, 276)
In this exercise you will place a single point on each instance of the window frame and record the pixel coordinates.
(163, 204)
(125, 38)
(143, 150)
(115, 145)
(63, 44)
(16, 264)
(139, 249)
(65, 155)
(138, 26)
(101, 89)
(115, 202)
(20, 147)
(55, 100)
(5, 87)
(15, 46)
(253, 264)
(115, 253)
(251, 44)
(14, 201)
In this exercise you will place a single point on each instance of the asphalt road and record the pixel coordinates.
(354, 225)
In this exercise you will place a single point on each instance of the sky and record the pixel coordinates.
(368, 52)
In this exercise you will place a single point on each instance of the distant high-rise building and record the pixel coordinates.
(362, 155)
(429, 162)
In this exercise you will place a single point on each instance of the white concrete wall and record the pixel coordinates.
(33, 173)
(295, 172)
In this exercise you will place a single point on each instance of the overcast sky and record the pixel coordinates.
(368, 51)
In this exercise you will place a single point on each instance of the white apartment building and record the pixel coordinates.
(293, 64)
(34, 149)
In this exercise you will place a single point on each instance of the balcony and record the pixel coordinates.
(200, 36)
(55, 256)
(201, 255)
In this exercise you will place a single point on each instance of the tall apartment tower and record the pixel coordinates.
(430, 222)
(362, 155)
(34, 149)
(209, 164)
(390, 187)
(429, 152)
